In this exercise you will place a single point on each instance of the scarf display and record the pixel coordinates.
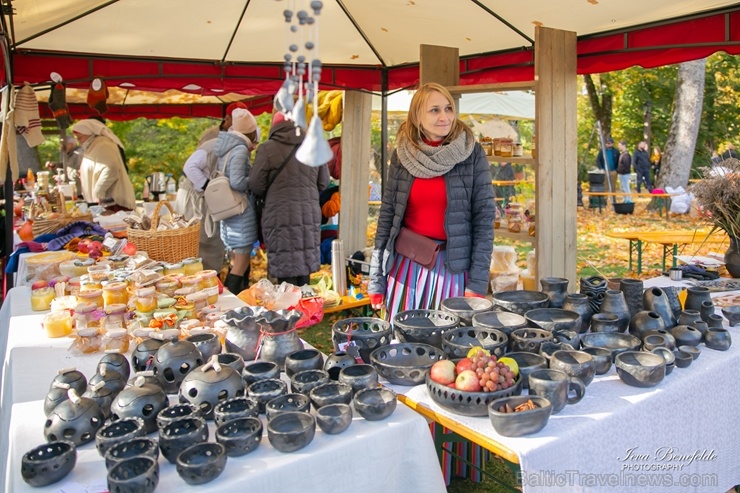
(433, 161)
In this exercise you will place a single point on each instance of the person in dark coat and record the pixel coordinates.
(439, 187)
(641, 163)
(291, 218)
(612, 157)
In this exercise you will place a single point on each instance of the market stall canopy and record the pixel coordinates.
(516, 105)
(238, 45)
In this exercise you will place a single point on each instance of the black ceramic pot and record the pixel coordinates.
(604, 322)
(656, 300)
(336, 361)
(707, 309)
(141, 446)
(263, 391)
(718, 339)
(181, 434)
(633, 291)
(556, 289)
(118, 431)
(287, 402)
(330, 393)
(695, 295)
(48, 463)
(669, 339)
(201, 463)
(686, 335)
(176, 411)
(240, 436)
(375, 404)
(117, 362)
(235, 408)
(615, 304)
(291, 431)
(303, 381)
(689, 317)
(333, 419)
(645, 321)
(579, 303)
(303, 359)
(136, 475)
(359, 377)
(259, 370)
(732, 258)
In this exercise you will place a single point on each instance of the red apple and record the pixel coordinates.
(443, 372)
(96, 245)
(464, 364)
(39, 284)
(129, 249)
(84, 245)
(467, 381)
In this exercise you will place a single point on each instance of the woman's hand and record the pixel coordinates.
(377, 301)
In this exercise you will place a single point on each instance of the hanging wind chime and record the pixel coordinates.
(303, 78)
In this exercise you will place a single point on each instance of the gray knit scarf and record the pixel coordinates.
(434, 161)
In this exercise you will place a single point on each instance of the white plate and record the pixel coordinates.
(699, 260)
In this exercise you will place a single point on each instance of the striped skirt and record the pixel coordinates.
(413, 287)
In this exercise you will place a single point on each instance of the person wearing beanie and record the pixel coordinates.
(291, 218)
(103, 177)
(238, 233)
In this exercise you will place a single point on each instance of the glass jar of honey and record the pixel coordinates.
(116, 340)
(167, 286)
(41, 299)
(198, 299)
(181, 292)
(192, 281)
(518, 150)
(192, 265)
(209, 285)
(58, 324)
(73, 286)
(88, 340)
(176, 268)
(507, 147)
(497, 146)
(115, 316)
(115, 293)
(98, 272)
(146, 302)
(91, 295)
(86, 315)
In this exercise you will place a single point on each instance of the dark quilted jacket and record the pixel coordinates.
(468, 221)
(291, 219)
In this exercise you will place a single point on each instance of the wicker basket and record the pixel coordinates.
(43, 226)
(171, 245)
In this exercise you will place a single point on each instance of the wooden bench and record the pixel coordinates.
(668, 239)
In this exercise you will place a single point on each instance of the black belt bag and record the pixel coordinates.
(418, 248)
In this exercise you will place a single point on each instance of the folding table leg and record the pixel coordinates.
(639, 256)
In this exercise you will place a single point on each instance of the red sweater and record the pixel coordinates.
(425, 210)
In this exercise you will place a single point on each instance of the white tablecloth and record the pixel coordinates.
(396, 454)
(396, 448)
(682, 435)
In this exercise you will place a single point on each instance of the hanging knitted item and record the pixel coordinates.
(27, 120)
(97, 96)
(58, 105)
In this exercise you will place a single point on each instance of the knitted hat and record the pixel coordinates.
(230, 108)
(97, 96)
(278, 117)
(243, 121)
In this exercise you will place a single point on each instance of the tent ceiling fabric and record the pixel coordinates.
(352, 32)
(517, 105)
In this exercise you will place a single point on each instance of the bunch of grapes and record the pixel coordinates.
(492, 374)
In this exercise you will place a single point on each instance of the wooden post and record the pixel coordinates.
(557, 169)
(353, 186)
(440, 64)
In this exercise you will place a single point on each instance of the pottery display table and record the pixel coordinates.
(678, 436)
(394, 449)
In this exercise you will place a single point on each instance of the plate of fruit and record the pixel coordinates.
(468, 385)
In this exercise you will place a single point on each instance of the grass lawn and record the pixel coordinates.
(597, 255)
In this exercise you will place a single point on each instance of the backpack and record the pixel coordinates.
(223, 202)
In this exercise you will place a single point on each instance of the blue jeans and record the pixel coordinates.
(624, 181)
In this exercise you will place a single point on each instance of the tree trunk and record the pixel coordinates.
(601, 102)
(681, 142)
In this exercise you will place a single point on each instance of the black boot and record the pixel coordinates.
(234, 283)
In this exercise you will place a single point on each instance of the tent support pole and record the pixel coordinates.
(8, 183)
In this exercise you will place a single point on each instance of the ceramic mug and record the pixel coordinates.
(555, 386)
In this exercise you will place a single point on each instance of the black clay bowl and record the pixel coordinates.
(520, 301)
(303, 381)
(240, 436)
(520, 423)
(375, 404)
(424, 326)
(48, 463)
(692, 350)
(287, 402)
(264, 391)
(331, 393)
(259, 370)
(602, 358)
(527, 363)
(142, 446)
(718, 339)
(168, 414)
(466, 308)
(135, 475)
(468, 403)
(181, 434)
(303, 359)
(291, 431)
(235, 408)
(201, 463)
(553, 319)
(506, 322)
(640, 369)
(333, 419)
(233, 360)
(732, 314)
(118, 431)
(529, 339)
(683, 359)
(359, 377)
(668, 357)
(616, 342)
(457, 342)
(405, 364)
(367, 332)
(575, 363)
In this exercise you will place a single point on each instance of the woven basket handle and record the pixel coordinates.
(155, 214)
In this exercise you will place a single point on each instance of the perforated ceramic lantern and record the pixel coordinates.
(173, 361)
(77, 419)
(210, 384)
(141, 400)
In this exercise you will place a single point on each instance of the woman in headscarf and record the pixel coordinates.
(103, 176)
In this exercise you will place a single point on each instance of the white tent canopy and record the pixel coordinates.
(517, 105)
